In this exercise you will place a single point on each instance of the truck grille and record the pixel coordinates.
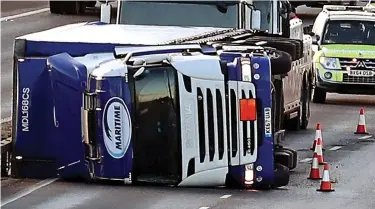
(358, 64)
(355, 79)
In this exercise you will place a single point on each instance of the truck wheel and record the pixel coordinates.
(281, 63)
(278, 105)
(74, 7)
(67, 7)
(56, 7)
(293, 157)
(284, 45)
(319, 95)
(282, 176)
(288, 47)
(305, 100)
(90, 3)
(286, 157)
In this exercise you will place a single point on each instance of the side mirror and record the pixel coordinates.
(105, 13)
(256, 19)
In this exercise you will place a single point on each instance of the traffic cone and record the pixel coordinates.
(325, 184)
(314, 172)
(319, 152)
(361, 127)
(318, 134)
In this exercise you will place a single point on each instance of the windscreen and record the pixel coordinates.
(349, 32)
(157, 148)
(179, 14)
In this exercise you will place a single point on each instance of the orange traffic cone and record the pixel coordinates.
(319, 152)
(325, 184)
(315, 172)
(318, 134)
(361, 128)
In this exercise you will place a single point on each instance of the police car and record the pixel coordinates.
(344, 51)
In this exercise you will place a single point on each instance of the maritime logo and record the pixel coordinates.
(116, 127)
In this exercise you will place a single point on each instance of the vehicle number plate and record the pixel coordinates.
(267, 122)
(364, 73)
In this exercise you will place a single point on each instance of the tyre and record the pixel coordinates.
(56, 7)
(278, 105)
(74, 7)
(90, 3)
(293, 157)
(319, 95)
(286, 157)
(305, 100)
(281, 63)
(286, 46)
(299, 49)
(67, 7)
(282, 176)
(292, 46)
(283, 158)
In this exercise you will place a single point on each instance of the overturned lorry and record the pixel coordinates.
(185, 106)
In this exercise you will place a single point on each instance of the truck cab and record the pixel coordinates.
(170, 115)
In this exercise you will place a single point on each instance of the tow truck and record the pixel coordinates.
(79, 112)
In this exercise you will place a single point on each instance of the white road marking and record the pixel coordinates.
(335, 148)
(27, 191)
(204, 207)
(225, 196)
(305, 160)
(364, 137)
(24, 14)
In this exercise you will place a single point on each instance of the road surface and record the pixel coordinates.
(350, 157)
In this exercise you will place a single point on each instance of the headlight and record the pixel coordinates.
(330, 63)
(246, 69)
(249, 174)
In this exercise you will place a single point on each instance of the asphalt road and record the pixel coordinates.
(350, 158)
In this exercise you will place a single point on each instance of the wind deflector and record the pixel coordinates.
(66, 70)
(68, 79)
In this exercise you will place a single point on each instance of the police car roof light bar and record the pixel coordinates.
(342, 8)
(367, 8)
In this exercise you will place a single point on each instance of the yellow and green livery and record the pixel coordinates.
(344, 60)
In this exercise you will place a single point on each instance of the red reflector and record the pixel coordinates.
(248, 110)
